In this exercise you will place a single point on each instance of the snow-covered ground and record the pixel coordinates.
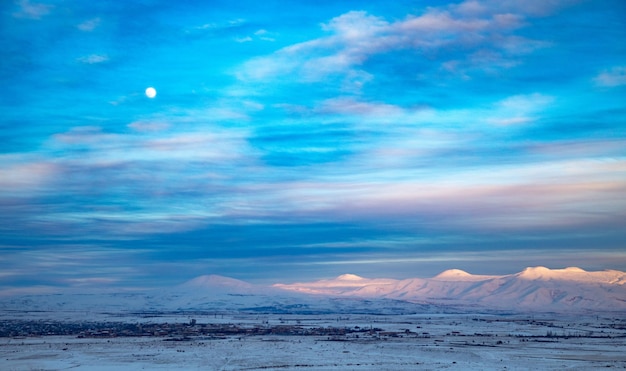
(390, 342)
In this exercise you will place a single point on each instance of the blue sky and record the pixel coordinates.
(294, 140)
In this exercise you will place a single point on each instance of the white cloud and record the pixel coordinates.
(207, 26)
(89, 25)
(24, 175)
(519, 109)
(536, 8)
(351, 106)
(106, 148)
(144, 126)
(30, 10)
(515, 120)
(356, 25)
(236, 22)
(91, 281)
(243, 39)
(216, 26)
(484, 34)
(525, 103)
(615, 76)
(548, 194)
(261, 34)
(264, 35)
(94, 59)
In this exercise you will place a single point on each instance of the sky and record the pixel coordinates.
(303, 140)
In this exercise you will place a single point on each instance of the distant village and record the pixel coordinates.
(175, 331)
(194, 330)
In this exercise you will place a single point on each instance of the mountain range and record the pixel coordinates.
(535, 289)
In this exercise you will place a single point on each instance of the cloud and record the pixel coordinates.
(548, 195)
(351, 106)
(484, 37)
(210, 27)
(148, 126)
(66, 264)
(613, 77)
(30, 10)
(25, 176)
(98, 146)
(171, 180)
(91, 281)
(519, 109)
(89, 25)
(315, 59)
(581, 148)
(245, 39)
(536, 8)
(264, 35)
(94, 59)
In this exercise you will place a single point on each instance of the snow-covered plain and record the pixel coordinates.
(452, 321)
(397, 342)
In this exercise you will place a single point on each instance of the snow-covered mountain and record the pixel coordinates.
(535, 289)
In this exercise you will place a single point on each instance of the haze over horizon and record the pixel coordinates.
(303, 140)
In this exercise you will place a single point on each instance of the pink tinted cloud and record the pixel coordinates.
(507, 198)
(356, 36)
(27, 176)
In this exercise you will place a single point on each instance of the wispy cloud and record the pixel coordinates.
(613, 77)
(212, 26)
(31, 10)
(94, 59)
(89, 25)
(546, 195)
(245, 39)
(351, 106)
(148, 126)
(486, 37)
(25, 175)
(73, 265)
(264, 35)
(519, 109)
(150, 162)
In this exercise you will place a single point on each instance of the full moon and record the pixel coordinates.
(151, 92)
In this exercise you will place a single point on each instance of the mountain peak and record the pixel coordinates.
(460, 275)
(575, 269)
(349, 277)
(213, 280)
(535, 273)
(453, 273)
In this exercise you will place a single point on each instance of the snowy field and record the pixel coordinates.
(365, 342)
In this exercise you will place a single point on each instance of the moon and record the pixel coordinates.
(151, 92)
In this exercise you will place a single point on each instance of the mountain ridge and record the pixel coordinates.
(534, 288)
